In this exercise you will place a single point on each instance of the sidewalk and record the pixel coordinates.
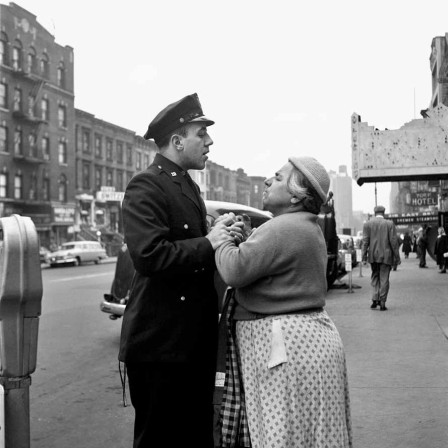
(397, 359)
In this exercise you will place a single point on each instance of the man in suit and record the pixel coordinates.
(169, 331)
(381, 249)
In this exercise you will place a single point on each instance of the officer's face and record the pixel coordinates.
(276, 197)
(195, 147)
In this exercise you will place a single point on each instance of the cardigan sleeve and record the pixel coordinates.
(242, 265)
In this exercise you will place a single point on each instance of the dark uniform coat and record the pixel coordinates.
(172, 312)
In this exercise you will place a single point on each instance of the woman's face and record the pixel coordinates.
(276, 197)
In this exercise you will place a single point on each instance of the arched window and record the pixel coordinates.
(62, 190)
(62, 152)
(32, 140)
(4, 56)
(17, 55)
(45, 65)
(18, 147)
(31, 62)
(61, 75)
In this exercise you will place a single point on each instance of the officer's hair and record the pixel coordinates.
(299, 186)
(165, 141)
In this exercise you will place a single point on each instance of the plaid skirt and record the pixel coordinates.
(295, 381)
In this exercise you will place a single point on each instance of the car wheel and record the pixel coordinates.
(76, 262)
(98, 260)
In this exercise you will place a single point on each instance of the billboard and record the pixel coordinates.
(418, 150)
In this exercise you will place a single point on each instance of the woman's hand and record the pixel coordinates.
(225, 228)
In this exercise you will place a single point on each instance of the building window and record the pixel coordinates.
(3, 49)
(18, 186)
(46, 189)
(86, 141)
(98, 148)
(17, 55)
(18, 149)
(32, 141)
(138, 161)
(109, 151)
(44, 107)
(32, 194)
(62, 116)
(86, 176)
(120, 152)
(62, 190)
(17, 99)
(62, 153)
(31, 61)
(3, 95)
(61, 75)
(146, 160)
(3, 138)
(256, 189)
(46, 148)
(98, 179)
(128, 155)
(109, 178)
(120, 180)
(44, 65)
(3, 185)
(31, 102)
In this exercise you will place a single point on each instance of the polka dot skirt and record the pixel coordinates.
(303, 402)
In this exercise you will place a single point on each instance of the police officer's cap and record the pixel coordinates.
(187, 110)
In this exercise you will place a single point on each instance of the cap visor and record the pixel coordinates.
(203, 120)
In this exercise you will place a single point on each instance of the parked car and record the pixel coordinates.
(114, 303)
(43, 254)
(77, 252)
(347, 246)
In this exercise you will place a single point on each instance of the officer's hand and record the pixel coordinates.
(224, 229)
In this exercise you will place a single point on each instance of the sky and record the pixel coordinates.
(280, 78)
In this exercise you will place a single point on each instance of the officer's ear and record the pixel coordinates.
(177, 142)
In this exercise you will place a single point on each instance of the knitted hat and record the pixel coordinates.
(315, 173)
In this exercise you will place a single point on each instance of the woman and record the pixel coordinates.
(441, 248)
(291, 355)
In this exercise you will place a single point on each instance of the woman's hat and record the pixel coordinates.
(315, 173)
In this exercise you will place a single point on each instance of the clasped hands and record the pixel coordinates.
(226, 228)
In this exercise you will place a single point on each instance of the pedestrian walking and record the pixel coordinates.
(381, 249)
(291, 356)
(422, 243)
(169, 331)
(407, 244)
(441, 250)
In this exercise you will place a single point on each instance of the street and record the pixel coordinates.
(397, 361)
(76, 390)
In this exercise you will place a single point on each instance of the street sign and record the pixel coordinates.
(348, 262)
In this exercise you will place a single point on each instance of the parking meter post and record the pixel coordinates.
(20, 308)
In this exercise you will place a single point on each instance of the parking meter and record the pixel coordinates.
(20, 296)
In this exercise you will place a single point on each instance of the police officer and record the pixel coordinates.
(169, 331)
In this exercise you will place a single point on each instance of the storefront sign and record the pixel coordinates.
(423, 199)
(116, 196)
(411, 218)
(63, 215)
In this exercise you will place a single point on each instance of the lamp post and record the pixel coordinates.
(98, 234)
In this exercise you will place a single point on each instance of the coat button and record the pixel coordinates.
(185, 226)
(182, 298)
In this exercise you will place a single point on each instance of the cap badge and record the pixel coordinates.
(173, 173)
(181, 120)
